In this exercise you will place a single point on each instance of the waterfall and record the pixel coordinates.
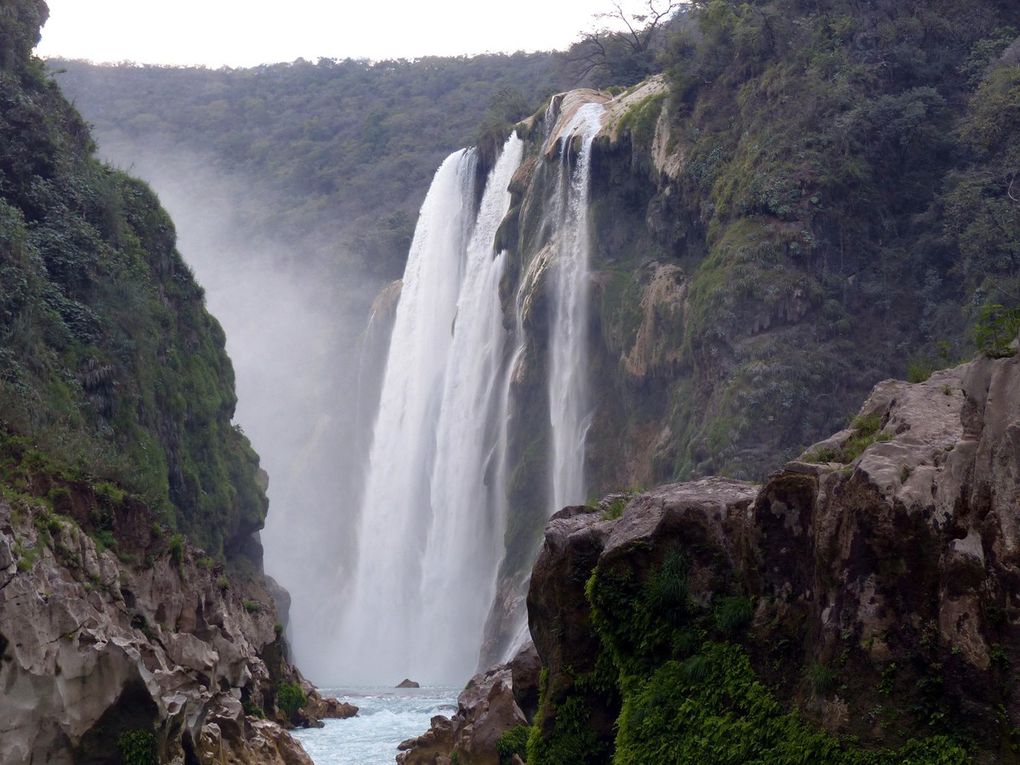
(569, 405)
(431, 530)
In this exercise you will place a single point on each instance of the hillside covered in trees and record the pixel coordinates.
(337, 155)
(842, 205)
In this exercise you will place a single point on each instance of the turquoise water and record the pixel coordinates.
(387, 716)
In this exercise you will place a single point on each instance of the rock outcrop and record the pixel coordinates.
(879, 572)
(489, 707)
(143, 642)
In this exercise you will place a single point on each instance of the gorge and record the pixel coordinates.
(581, 450)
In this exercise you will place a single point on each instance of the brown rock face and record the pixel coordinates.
(895, 567)
(486, 709)
(710, 515)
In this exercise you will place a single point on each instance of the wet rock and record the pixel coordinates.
(408, 684)
(486, 709)
(328, 708)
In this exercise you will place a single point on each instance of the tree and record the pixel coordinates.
(621, 49)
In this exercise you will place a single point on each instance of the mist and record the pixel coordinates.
(293, 320)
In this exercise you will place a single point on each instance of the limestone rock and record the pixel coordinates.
(328, 708)
(94, 648)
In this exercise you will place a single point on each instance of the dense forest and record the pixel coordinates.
(844, 210)
(338, 154)
(858, 154)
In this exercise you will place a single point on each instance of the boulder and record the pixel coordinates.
(486, 709)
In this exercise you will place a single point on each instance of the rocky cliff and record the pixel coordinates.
(136, 625)
(857, 607)
(765, 246)
(135, 646)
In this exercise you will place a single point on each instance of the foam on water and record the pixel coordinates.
(386, 717)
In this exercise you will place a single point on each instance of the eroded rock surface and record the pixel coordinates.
(160, 643)
(486, 709)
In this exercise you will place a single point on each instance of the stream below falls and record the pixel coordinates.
(386, 717)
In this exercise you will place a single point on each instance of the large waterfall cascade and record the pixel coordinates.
(431, 528)
(434, 511)
(570, 412)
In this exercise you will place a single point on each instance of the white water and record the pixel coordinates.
(386, 716)
(569, 400)
(431, 526)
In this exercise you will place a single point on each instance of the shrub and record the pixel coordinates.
(177, 549)
(996, 328)
(919, 370)
(733, 614)
(290, 698)
(107, 491)
(820, 677)
(253, 607)
(105, 539)
(137, 747)
(615, 509)
(514, 741)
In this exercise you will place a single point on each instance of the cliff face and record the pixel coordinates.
(764, 251)
(868, 584)
(136, 625)
(109, 362)
(139, 649)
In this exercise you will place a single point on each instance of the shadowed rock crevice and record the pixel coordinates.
(134, 711)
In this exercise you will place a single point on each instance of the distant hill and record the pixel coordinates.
(336, 154)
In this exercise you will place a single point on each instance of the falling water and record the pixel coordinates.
(430, 535)
(569, 406)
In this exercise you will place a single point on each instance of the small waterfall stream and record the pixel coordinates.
(569, 404)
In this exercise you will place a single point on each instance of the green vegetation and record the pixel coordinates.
(290, 698)
(176, 548)
(733, 615)
(711, 709)
(137, 747)
(614, 509)
(996, 329)
(514, 741)
(690, 695)
(840, 217)
(343, 149)
(112, 374)
(866, 431)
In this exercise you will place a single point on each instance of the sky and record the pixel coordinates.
(249, 32)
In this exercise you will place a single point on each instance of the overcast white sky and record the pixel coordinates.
(249, 32)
